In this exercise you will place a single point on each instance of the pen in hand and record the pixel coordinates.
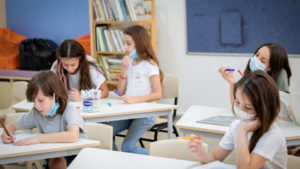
(6, 130)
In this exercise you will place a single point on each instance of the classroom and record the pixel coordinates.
(205, 50)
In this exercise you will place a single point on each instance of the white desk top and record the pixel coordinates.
(93, 158)
(10, 153)
(195, 113)
(117, 108)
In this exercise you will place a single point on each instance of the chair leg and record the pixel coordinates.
(28, 164)
(175, 131)
(37, 164)
(141, 143)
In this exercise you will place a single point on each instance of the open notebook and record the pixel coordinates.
(218, 120)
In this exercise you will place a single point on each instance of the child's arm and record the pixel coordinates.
(156, 93)
(195, 146)
(228, 76)
(104, 90)
(245, 159)
(69, 136)
(11, 128)
(123, 75)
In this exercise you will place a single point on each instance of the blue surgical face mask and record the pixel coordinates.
(54, 108)
(256, 64)
(134, 55)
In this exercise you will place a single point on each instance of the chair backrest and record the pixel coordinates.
(102, 133)
(170, 86)
(293, 162)
(173, 148)
(18, 91)
(11, 117)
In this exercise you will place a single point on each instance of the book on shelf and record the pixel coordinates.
(111, 67)
(109, 40)
(121, 10)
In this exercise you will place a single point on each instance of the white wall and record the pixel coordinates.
(200, 83)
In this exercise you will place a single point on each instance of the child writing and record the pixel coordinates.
(78, 71)
(52, 116)
(140, 81)
(256, 138)
(269, 57)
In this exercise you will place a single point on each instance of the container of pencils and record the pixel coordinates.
(91, 100)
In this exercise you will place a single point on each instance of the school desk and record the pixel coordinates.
(93, 158)
(115, 109)
(13, 154)
(187, 124)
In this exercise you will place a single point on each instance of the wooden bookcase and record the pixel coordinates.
(150, 25)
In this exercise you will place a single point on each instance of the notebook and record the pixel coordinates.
(218, 120)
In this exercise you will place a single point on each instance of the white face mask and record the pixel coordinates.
(241, 115)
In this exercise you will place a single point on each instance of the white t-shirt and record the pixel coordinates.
(271, 146)
(96, 76)
(138, 78)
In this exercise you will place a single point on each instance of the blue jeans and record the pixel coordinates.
(136, 129)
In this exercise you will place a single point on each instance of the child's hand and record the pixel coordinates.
(125, 63)
(7, 139)
(195, 146)
(27, 141)
(128, 99)
(248, 126)
(227, 75)
(75, 95)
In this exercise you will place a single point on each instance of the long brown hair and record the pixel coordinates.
(48, 83)
(72, 49)
(143, 45)
(262, 92)
(278, 61)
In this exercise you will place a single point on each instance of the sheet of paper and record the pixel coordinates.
(215, 165)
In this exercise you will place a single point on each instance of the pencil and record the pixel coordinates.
(5, 129)
(187, 138)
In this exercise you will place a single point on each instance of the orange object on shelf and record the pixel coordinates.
(9, 49)
(85, 42)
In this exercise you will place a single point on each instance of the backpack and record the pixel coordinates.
(37, 54)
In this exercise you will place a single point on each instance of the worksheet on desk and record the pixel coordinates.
(20, 134)
(215, 165)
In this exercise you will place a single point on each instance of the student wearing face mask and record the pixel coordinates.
(255, 137)
(269, 57)
(52, 116)
(140, 81)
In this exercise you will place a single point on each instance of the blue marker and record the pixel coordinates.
(117, 93)
(229, 70)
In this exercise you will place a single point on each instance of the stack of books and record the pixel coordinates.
(112, 67)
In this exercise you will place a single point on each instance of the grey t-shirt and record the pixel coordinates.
(59, 123)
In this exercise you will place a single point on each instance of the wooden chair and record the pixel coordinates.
(102, 133)
(170, 91)
(173, 148)
(293, 162)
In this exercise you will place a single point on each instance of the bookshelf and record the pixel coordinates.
(107, 23)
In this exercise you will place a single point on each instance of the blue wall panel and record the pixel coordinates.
(52, 19)
(261, 21)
